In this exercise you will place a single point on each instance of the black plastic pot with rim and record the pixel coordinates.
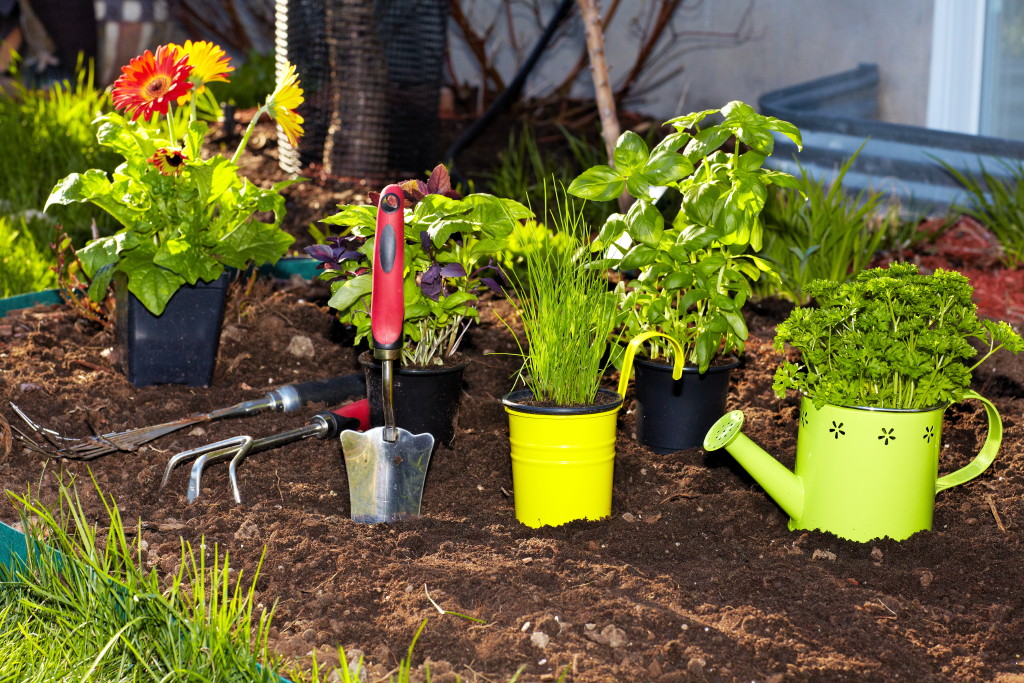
(426, 399)
(675, 414)
(179, 346)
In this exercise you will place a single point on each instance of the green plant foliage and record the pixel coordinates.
(24, 261)
(694, 269)
(998, 205)
(567, 312)
(523, 169)
(891, 338)
(47, 134)
(83, 608)
(819, 231)
(452, 245)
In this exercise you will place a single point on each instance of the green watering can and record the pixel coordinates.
(861, 473)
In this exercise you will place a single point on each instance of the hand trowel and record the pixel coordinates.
(387, 465)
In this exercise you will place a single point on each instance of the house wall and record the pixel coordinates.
(737, 49)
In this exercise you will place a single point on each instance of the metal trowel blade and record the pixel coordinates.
(385, 478)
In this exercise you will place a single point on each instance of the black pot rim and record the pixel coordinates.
(366, 359)
(511, 400)
(687, 369)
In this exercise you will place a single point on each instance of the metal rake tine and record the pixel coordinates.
(45, 433)
(188, 455)
(241, 455)
(243, 444)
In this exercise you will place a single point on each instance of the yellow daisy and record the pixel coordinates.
(208, 61)
(283, 102)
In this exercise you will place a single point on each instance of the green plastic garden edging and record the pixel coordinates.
(284, 269)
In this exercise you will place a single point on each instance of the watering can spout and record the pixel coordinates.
(775, 478)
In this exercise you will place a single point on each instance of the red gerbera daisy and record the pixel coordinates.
(169, 160)
(151, 82)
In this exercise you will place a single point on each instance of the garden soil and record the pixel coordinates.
(695, 576)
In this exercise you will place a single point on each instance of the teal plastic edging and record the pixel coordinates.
(13, 303)
(12, 545)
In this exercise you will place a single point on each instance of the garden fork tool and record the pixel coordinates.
(387, 465)
(283, 399)
(325, 425)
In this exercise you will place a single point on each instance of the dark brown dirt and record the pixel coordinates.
(694, 577)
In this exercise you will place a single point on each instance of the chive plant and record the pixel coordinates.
(567, 311)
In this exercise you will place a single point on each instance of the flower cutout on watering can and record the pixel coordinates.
(929, 434)
(805, 418)
(837, 429)
(887, 435)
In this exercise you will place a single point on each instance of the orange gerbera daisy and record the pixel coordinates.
(151, 82)
(169, 160)
(208, 61)
(283, 102)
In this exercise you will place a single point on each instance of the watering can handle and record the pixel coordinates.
(634, 345)
(987, 453)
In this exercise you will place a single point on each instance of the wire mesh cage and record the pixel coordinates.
(371, 71)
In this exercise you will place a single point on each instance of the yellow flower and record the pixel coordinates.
(208, 61)
(283, 102)
(169, 160)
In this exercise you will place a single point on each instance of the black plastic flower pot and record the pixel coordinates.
(672, 415)
(179, 346)
(426, 399)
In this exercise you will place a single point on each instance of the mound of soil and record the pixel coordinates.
(694, 577)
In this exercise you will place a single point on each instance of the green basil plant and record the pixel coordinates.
(692, 269)
(891, 338)
(452, 250)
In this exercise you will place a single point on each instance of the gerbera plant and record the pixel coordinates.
(185, 218)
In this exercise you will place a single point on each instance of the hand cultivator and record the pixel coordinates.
(325, 425)
(283, 399)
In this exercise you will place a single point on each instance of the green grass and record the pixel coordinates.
(998, 204)
(824, 233)
(25, 259)
(83, 608)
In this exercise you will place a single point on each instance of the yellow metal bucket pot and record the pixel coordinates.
(563, 458)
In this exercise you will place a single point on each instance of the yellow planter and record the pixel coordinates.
(563, 459)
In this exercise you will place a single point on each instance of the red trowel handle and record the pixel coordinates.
(387, 305)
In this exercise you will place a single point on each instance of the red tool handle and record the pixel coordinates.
(387, 304)
(359, 410)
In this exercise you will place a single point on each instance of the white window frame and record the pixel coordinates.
(954, 80)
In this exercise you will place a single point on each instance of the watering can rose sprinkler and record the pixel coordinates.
(861, 473)
(387, 466)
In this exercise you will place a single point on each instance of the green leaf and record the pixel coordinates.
(351, 215)
(785, 128)
(192, 264)
(667, 167)
(154, 286)
(253, 241)
(781, 179)
(638, 257)
(443, 229)
(99, 253)
(630, 154)
(350, 292)
(645, 223)
(455, 300)
(610, 232)
(705, 142)
(680, 279)
(598, 183)
(639, 186)
(682, 123)
(736, 322)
